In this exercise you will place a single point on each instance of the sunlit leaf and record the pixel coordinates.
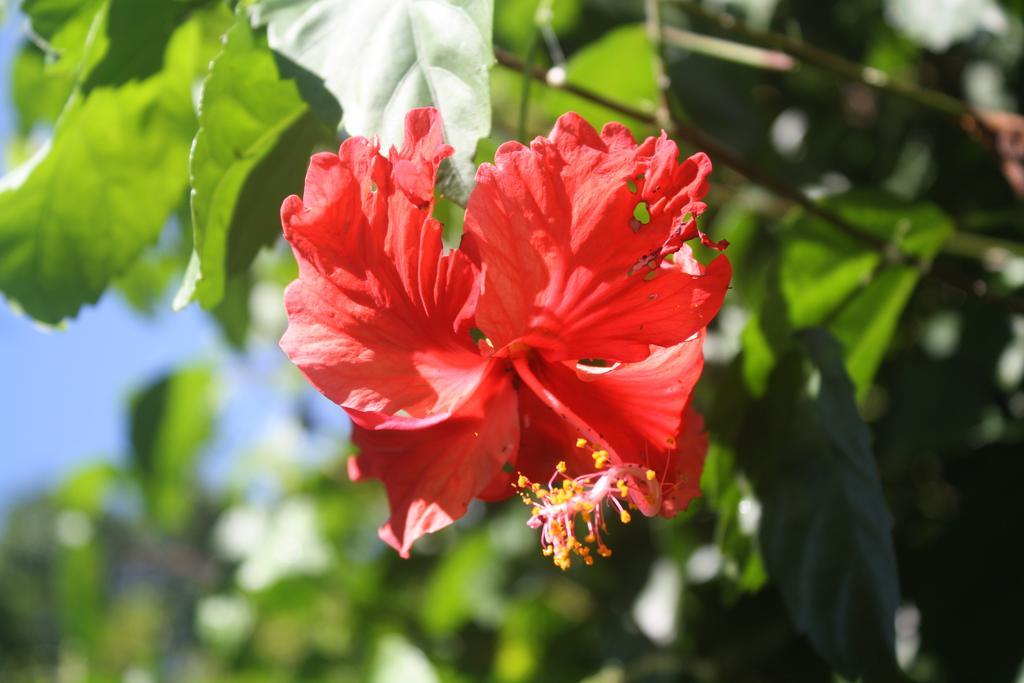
(253, 145)
(65, 27)
(381, 59)
(38, 95)
(79, 212)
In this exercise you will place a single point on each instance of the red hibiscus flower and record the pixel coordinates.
(564, 335)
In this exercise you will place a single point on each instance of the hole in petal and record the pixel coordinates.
(640, 213)
(631, 185)
(588, 369)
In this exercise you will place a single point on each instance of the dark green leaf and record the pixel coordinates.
(381, 59)
(171, 421)
(253, 145)
(826, 530)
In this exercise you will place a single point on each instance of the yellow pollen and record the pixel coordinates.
(581, 442)
(561, 466)
(651, 475)
(623, 489)
(523, 482)
(600, 458)
(624, 517)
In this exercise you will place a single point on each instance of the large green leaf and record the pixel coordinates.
(380, 59)
(826, 277)
(81, 210)
(253, 145)
(170, 423)
(826, 530)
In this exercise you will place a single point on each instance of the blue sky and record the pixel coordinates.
(63, 393)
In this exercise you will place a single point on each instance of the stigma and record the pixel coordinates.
(571, 512)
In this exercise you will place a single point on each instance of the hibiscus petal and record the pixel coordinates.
(379, 319)
(567, 262)
(433, 467)
(636, 408)
(680, 482)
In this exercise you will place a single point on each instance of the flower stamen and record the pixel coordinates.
(579, 502)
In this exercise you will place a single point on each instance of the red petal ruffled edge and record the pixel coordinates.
(565, 260)
(433, 467)
(379, 319)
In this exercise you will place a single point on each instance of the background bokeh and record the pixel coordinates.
(173, 496)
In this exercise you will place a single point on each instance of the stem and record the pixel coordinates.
(727, 50)
(982, 247)
(524, 96)
(662, 112)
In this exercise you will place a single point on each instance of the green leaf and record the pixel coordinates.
(825, 530)
(254, 142)
(147, 280)
(137, 33)
(466, 585)
(86, 489)
(66, 28)
(38, 95)
(381, 59)
(617, 66)
(232, 313)
(79, 212)
(820, 267)
(826, 277)
(865, 327)
(171, 421)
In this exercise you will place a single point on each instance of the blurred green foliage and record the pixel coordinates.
(863, 389)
